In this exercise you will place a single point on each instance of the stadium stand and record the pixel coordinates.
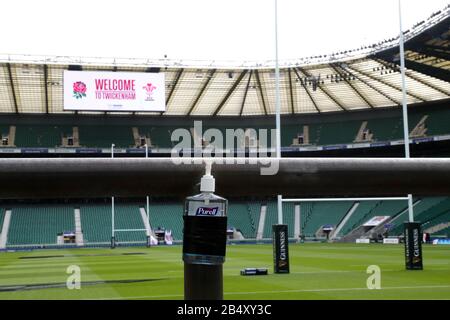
(102, 133)
(419, 208)
(44, 136)
(363, 209)
(39, 224)
(96, 223)
(168, 216)
(386, 129)
(316, 215)
(271, 219)
(240, 218)
(129, 217)
(368, 210)
(2, 216)
(431, 210)
(104, 136)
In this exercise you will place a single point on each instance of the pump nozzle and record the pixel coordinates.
(207, 183)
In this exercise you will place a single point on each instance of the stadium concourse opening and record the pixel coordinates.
(328, 189)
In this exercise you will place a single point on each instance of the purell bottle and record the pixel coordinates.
(204, 241)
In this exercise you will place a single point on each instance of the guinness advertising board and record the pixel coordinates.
(413, 246)
(280, 248)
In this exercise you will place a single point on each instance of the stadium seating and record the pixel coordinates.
(315, 215)
(4, 129)
(40, 136)
(272, 218)
(159, 135)
(240, 218)
(2, 217)
(39, 224)
(167, 216)
(423, 205)
(363, 209)
(370, 209)
(129, 217)
(438, 121)
(335, 133)
(96, 223)
(444, 232)
(425, 213)
(386, 129)
(289, 217)
(102, 136)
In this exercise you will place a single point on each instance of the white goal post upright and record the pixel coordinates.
(404, 104)
(277, 110)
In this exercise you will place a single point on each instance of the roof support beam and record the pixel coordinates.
(258, 80)
(434, 51)
(307, 90)
(339, 71)
(397, 102)
(327, 93)
(202, 90)
(230, 92)
(291, 92)
(8, 66)
(391, 85)
(172, 88)
(412, 76)
(46, 87)
(245, 93)
(438, 73)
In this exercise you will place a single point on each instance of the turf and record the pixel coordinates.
(318, 271)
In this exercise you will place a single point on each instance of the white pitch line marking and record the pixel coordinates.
(283, 291)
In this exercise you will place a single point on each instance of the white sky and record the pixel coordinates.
(201, 29)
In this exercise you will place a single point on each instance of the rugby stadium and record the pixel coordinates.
(90, 189)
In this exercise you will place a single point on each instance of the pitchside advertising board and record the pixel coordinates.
(280, 248)
(413, 246)
(114, 91)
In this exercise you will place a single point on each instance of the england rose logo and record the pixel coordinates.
(79, 90)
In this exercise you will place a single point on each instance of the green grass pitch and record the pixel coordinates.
(318, 271)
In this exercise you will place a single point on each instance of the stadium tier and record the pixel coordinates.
(240, 218)
(167, 216)
(40, 225)
(363, 126)
(96, 222)
(317, 215)
(2, 216)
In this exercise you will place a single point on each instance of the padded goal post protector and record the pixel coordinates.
(280, 248)
(413, 246)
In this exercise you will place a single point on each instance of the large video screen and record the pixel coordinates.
(114, 91)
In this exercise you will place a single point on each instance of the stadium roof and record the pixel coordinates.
(365, 78)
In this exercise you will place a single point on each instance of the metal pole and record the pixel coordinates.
(147, 198)
(277, 109)
(113, 240)
(112, 217)
(405, 105)
(280, 209)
